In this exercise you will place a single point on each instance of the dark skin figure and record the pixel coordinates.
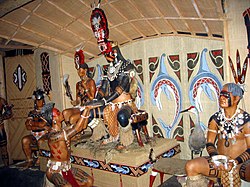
(60, 149)
(34, 124)
(3, 136)
(200, 165)
(85, 91)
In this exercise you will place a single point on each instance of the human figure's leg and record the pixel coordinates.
(67, 113)
(3, 145)
(197, 168)
(39, 143)
(27, 142)
(75, 117)
(57, 179)
(83, 178)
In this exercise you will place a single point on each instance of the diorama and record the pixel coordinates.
(125, 93)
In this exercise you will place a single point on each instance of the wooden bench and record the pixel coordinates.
(171, 166)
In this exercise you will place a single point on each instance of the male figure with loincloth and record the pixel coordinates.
(228, 135)
(85, 89)
(38, 129)
(5, 113)
(59, 170)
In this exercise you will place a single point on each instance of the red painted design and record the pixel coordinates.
(202, 81)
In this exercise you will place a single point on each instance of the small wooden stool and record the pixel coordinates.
(139, 121)
(171, 166)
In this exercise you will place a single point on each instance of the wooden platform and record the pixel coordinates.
(127, 168)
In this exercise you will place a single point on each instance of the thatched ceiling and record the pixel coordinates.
(64, 25)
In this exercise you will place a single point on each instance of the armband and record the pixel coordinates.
(211, 149)
(85, 117)
(214, 131)
(247, 135)
(244, 156)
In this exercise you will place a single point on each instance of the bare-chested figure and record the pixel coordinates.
(59, 171)
(85, 90)
(229, 135)
(5, 113)
(38, 129)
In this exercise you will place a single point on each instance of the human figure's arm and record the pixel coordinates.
(102, 90)
(119, 89)
(90, 88)
(28, 123)
(211, 137)
(243, 157)
(35, 123)
(78, 98)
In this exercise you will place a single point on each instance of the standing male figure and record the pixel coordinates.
(228, 135)
(5, 113)
(38, 128)
(59, 170)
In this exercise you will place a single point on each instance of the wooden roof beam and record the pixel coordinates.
(118, 30)
(16, 47)
(144, 17)
(168, 18)
(55, 24)
(130, 39)
(181, 16)
(74, 18)
(37, 33)
(162, 16)
(20, 25)
(201, 16)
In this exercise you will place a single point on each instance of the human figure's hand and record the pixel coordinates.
(227, 166)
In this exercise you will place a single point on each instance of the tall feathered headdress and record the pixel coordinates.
(99, 25)
(240, 75)
(79, 60)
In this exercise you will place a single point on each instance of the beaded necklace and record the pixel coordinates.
(229, 127)
(115, 70)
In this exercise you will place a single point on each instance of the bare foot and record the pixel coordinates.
(120, 147)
